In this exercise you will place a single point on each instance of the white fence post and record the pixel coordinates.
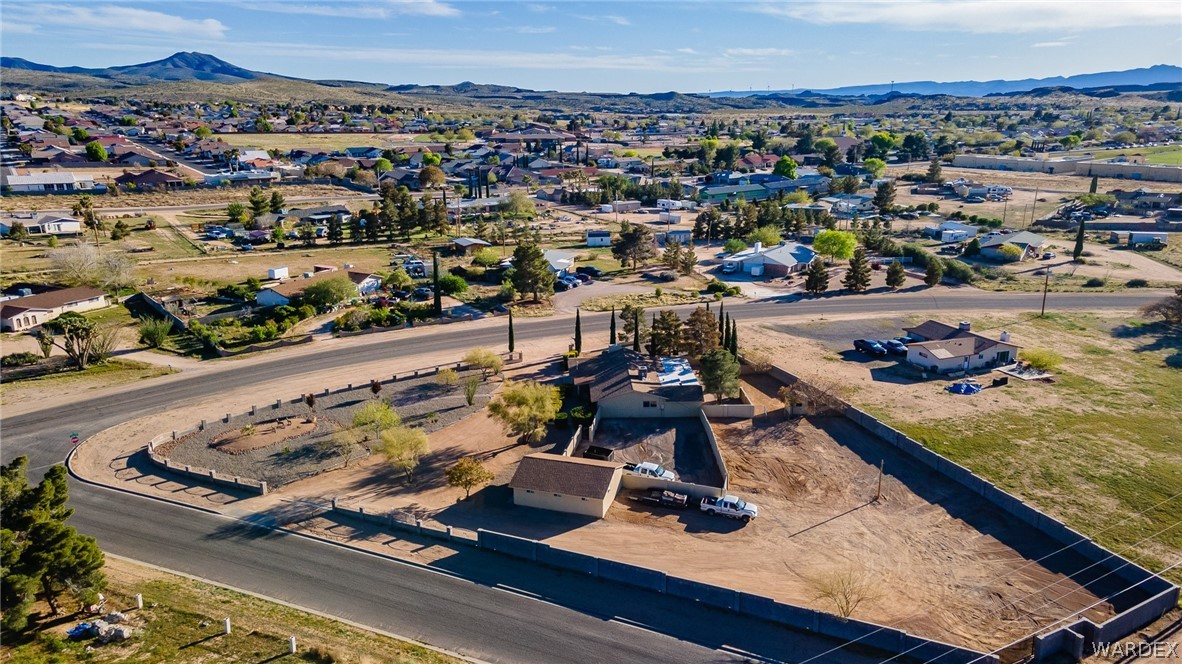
(226, 626)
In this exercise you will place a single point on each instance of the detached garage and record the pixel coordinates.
(566, 484)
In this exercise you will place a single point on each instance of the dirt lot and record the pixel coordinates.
(678, 444)
(1045, 182)
(203, 196)
(1108, 261)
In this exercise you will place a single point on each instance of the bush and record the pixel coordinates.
(451, 284)
(1094, 282)
(446, 376)
(154, 331)
(352, 320)
(667, 275)
(716, 286)
(959, 271)
(1041, 358)
(582, 414)
(562, 420)
(734, 245)
(507, 293)
(486, 258)
(1137, 283)
(19, 359)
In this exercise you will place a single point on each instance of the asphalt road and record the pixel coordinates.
(476, 619)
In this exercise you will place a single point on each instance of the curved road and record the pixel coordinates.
(494, 612)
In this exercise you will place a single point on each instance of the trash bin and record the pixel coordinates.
(1004, 380)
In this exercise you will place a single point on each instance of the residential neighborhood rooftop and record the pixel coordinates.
(571, 476)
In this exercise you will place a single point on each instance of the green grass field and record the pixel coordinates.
(1102, 452)
(1170, 155)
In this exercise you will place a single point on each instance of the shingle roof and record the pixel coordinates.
(621, 371)
(51, 299)
(1021, 238)
(570, 476)
(945, 341)
(294, 287)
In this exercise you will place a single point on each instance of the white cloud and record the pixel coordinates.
(538, 7)
(687, 51)
(374, 9)
(534, 29)
(1050, 44)
(758, 52)
(130, 19)
(618, 20)
(982, 15)
(17, 28)
(605, 18)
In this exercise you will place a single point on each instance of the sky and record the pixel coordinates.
(639, 46)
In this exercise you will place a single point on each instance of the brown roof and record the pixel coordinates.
(570, 476)
(294, 287)
(51, 299)
(622, 370)
(945, 341)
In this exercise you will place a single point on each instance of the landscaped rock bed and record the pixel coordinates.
(422, 402)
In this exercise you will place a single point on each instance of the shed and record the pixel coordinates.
(566, 484)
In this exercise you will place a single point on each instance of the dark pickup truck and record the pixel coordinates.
(677, 501)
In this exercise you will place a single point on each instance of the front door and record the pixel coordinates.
(1003, 357)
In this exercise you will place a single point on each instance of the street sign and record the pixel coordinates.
(74, 438)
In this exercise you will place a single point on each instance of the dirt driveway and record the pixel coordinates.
(1107, 262)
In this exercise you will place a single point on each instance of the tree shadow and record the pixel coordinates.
(1155, 337)
(264, 524)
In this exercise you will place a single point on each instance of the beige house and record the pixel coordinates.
(942, 348)
(624, 383)
(566, 484)
(27, 312)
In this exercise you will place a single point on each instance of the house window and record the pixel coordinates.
(650, 404)
(529, 490)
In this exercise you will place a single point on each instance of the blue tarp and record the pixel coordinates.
(964, 388)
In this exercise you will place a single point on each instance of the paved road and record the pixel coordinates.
(444, 611)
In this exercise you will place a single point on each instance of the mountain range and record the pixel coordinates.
(194, 76)
(1145, 76)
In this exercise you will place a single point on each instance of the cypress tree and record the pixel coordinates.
(1079, 242)
(578, 330)
(721, 329)
(612, 337)
(1095, 184)
(435, 282)
(636, 328)
(734, 338)
(512, 341)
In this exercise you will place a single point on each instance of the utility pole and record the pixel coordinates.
(878, 494)
(1045, 285)
(1033, 207)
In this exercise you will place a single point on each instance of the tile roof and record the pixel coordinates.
(570, 476)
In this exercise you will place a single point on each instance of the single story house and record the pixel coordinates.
(566, 484)
(749, 192)
(626, 384)
(943, 348)
(847, 205)
(599, 238)
(561, 262)
(682, 236)
(1029, 243)
(150, 178)
(27, 312)
(284, 292)
(48, 224)
(61, 182)
(468, 245)
(778, 261)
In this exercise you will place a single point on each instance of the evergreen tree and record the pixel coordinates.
(260, 203)
(734, 345)
(896, 276)
(884, 195)
(935, 174)
(373, 227)
(700, 332)
(720, 373)
(512, 341)
(857, 278)
(935, 272)
(638, 332)
(973, 248)
(578, 330)
(336, 230)
(531, 271)
(1095, 184)
(1075, 253)
(278, 202)
(355, 232)
(721, 329)
(666, 336)
(435, 282)
(816, 279)
(612, 333)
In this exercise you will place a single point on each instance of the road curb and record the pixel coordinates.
(84, 480)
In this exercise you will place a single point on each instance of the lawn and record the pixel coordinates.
(182, 622)
(1160, 154)
(1099, 447)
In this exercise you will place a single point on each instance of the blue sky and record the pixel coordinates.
(640, 46)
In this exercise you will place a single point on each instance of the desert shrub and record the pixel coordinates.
(959, 271)
(582, 414)
(19, 359)
(716, 286)
(265, 332)
(486, 258)
(1137, 283)
(446, 376)
(1041, 358)
(1009, 253)
(154, 331)
(1094, 282)
(351, 320)
(667, 275)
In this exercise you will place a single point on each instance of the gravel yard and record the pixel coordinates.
(678, 444)
(422, 402)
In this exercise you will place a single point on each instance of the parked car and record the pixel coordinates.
(870, 347)
(423, 293)
(650, 469)
(1048, 255)
(574, 283)
(677, 501)
(974, 199)
(893, 346)
(730, 506)
(596, 452)
(589, 270)
(560, 285)
(908, 215)
(730, 268)
(583, 278)
(401, 294)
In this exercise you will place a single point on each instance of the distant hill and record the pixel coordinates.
(1168, 74)
(181, 66)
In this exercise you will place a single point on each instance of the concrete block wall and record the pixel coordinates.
(568, 560)
(632, 575)
(714, 449)
(638, 483)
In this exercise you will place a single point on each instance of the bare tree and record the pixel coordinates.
(846, 588)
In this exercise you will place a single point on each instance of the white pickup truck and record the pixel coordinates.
(731, 506)
(650, 469)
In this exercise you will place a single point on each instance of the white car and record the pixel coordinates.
(650, 469)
